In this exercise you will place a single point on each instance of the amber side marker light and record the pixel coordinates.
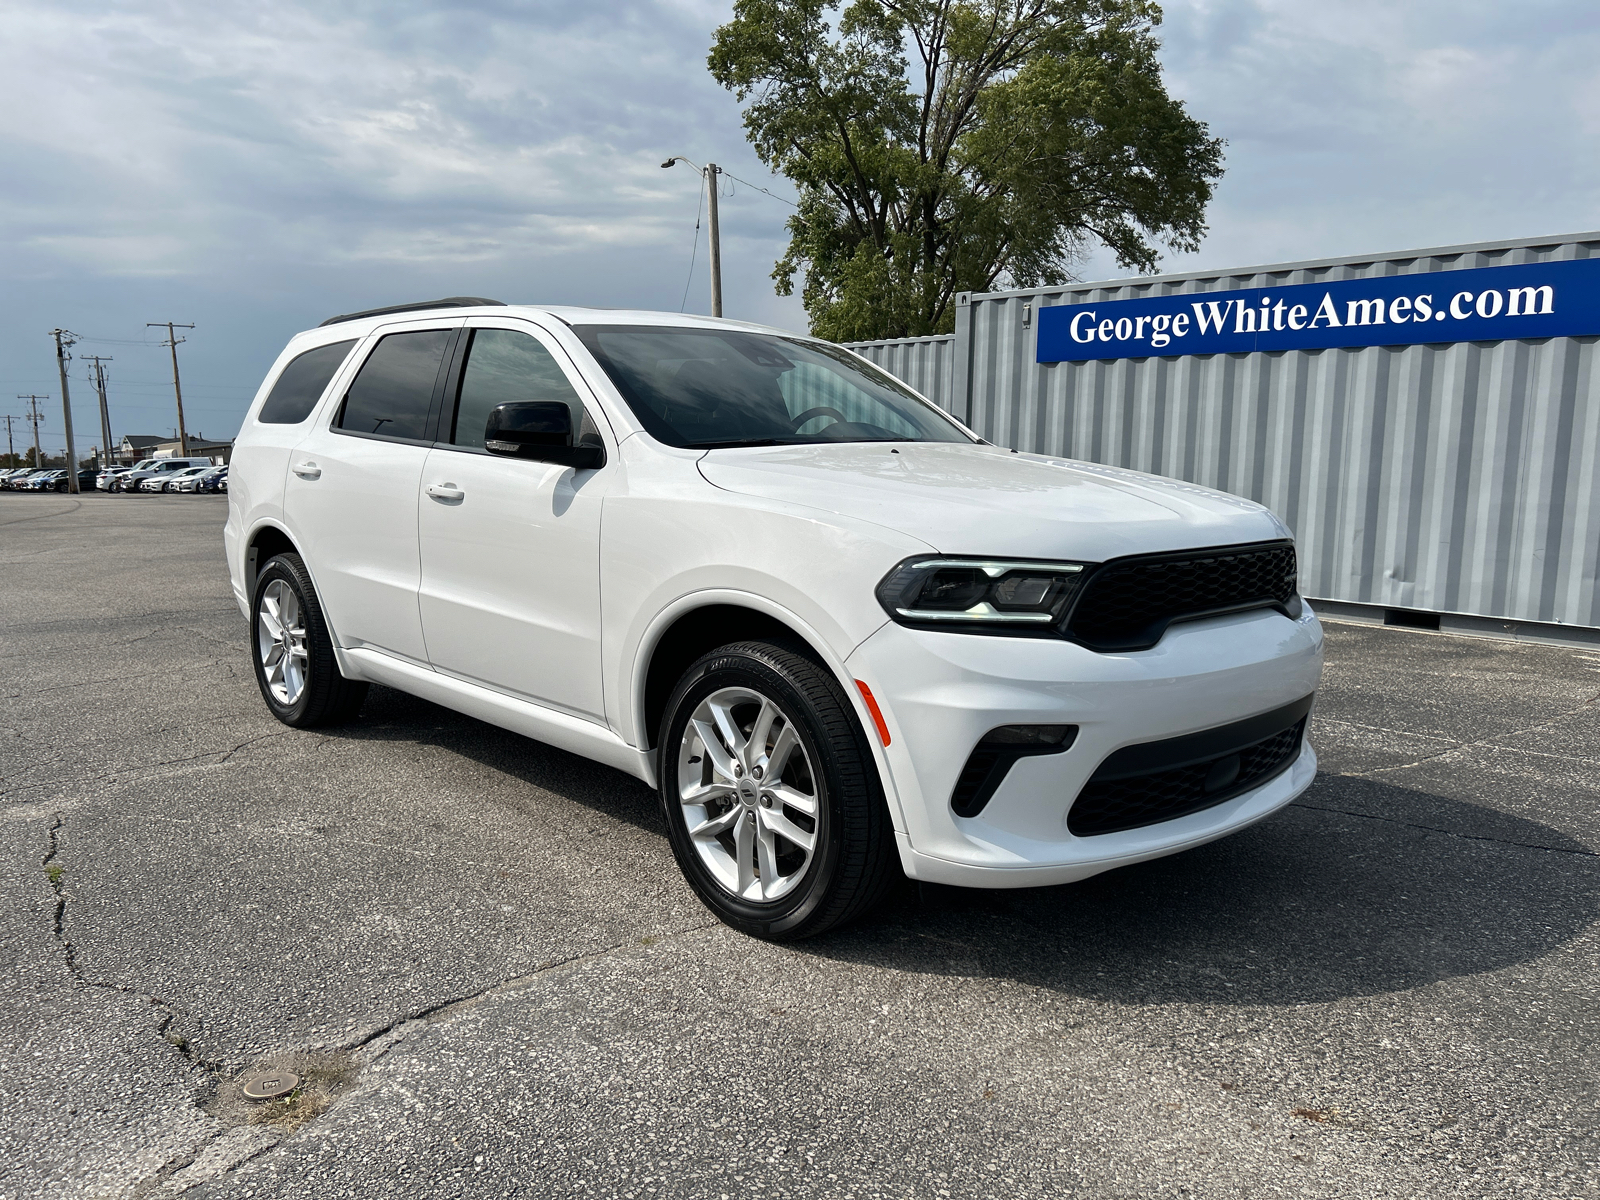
(877, 714)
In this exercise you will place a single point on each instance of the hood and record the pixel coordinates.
(983, 500)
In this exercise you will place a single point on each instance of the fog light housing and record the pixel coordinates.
(996, 754)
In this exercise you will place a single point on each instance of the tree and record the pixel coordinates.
(1014, 133)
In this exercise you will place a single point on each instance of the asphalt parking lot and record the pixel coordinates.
(479, 952)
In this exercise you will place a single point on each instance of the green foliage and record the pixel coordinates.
(942, 146)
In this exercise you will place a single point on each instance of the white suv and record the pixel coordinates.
(161, 469)
(836, 629)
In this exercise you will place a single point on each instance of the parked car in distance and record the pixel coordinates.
(120, 476)
(190, 481)
(44, 481)
(160, 469)
(13, 475)
(214, 480)
(841, 634)
(170, 483)
(158, 481)
(86, 480)
(20, 482)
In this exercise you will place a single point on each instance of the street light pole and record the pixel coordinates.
(710, 172)
(66, 407)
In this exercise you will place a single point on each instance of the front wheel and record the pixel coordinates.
(771, 797)
(293, 651)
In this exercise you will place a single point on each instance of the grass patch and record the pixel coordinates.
(55, 871)
(290, 1112)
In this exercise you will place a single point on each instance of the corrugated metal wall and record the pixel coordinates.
(1461, 478)
(922, 363)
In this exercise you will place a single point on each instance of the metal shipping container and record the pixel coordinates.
(922, 363)
(1459, 478)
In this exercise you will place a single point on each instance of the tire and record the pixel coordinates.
(743, 831)
(323, 696)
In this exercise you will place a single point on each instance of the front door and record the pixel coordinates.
(350, 497)
(511, 548)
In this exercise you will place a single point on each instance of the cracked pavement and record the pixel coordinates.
(479, 951)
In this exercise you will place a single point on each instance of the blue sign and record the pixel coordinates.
(1537, 300)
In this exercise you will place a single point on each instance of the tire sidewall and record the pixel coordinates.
(738, 668)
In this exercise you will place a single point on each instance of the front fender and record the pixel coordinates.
(827, 651)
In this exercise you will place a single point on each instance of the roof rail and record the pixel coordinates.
(420, 305)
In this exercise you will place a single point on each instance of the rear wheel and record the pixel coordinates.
(770, 793)
(293, 651)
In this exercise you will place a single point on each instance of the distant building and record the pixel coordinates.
(199, 447)
(135, 446)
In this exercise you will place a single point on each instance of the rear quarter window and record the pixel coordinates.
(302, 383)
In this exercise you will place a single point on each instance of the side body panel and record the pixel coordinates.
(351, 503)
(510, 592)
(260, 460)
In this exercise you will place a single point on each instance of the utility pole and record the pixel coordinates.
(66, 406)
(11, 446)
(716, 241)
(177, 389)
(710, 171)
(105, 413)
(33, 415)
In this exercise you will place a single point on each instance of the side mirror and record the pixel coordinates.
(540, 430)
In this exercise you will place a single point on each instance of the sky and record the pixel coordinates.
(253, 169)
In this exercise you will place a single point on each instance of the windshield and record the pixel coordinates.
(703, 388)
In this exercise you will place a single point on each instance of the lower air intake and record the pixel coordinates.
(1161, 781)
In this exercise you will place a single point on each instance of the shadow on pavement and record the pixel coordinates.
(1359, 888)
(389, 715)
(1307, 907)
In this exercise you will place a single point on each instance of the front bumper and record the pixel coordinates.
(941, 692)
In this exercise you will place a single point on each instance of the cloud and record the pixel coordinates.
(254, 168)
(1358, 126)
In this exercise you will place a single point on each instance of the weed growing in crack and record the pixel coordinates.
(294, 1110)
(54, 872)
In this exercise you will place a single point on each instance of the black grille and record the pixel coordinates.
(1128, 603)
(1121, 796)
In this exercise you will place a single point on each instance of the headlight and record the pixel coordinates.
(994, 595)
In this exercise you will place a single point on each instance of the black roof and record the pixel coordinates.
(448, 302)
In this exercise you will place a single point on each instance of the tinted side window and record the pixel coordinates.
(503, 367)
(302, 383)
(394, 390)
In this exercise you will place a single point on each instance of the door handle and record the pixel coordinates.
(448, 492)
(308, 470)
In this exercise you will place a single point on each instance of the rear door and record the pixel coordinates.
(511, 548)
(350, 498)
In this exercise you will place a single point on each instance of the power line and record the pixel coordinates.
(758, 188)
(694, 251)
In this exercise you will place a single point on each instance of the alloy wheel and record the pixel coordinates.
(749, 794)
(281, 641)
